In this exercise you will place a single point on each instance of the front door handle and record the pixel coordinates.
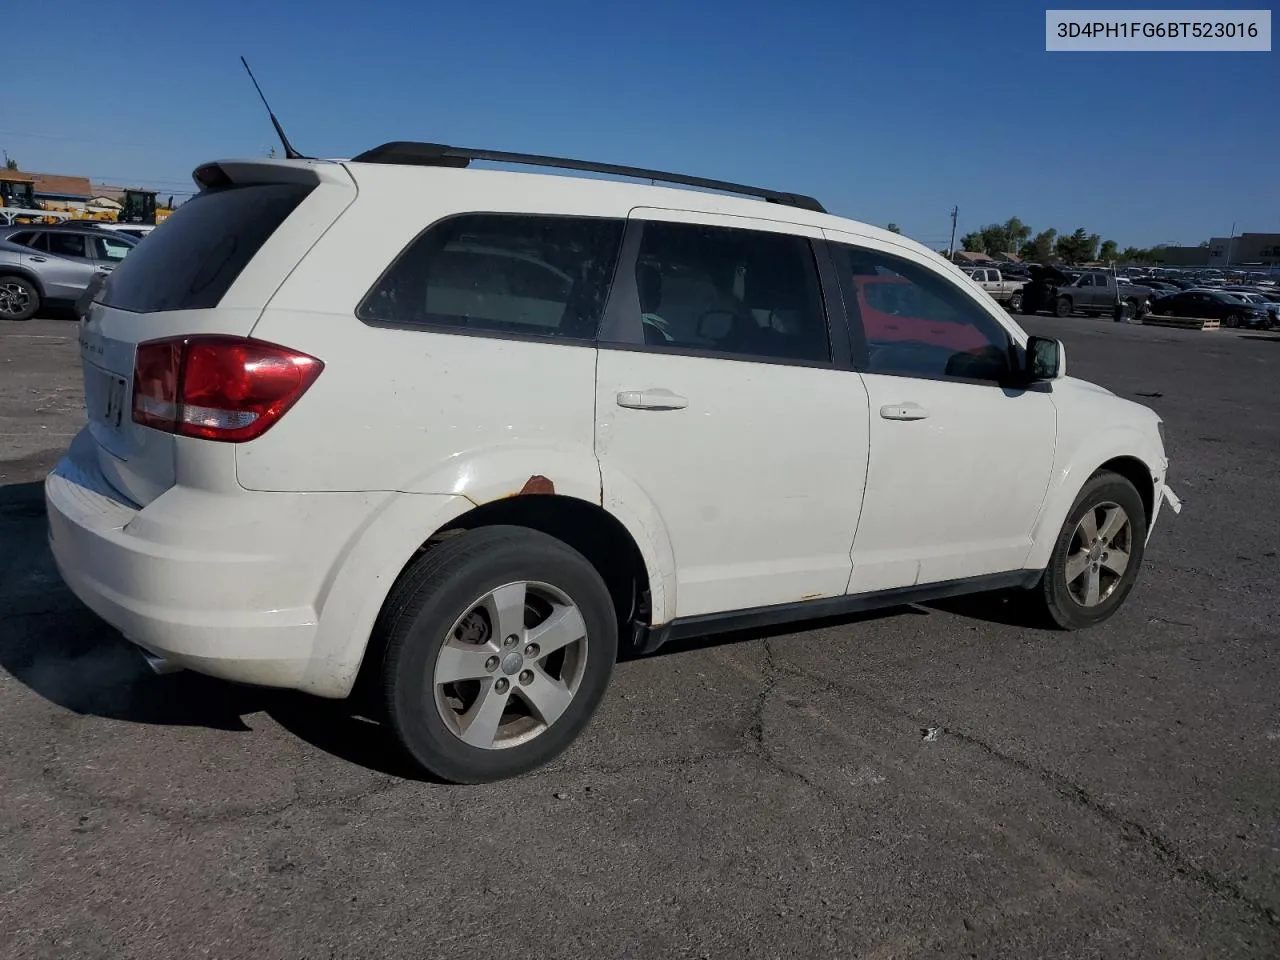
(38, 259)
(658, 398)
(903, 411)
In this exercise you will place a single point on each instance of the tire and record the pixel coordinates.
(1232, 321)
(447, 594)
(1062, 307)
(19, 298)
(1065, 603)
(1015, 302)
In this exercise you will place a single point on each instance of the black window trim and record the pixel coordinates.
(450, 330)
(623, 331)
(861, 358)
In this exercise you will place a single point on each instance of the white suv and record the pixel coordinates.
(464, 433)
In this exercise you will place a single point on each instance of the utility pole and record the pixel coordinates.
(951, 247)
(1231, 242)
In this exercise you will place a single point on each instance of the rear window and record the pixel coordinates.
(201, 249)
(542, 276)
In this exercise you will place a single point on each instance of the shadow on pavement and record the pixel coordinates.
(1005, 607)
(63, 652)
(60, 650)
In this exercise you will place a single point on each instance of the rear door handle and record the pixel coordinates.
(38, 259)
(903, 411)
(658, 398)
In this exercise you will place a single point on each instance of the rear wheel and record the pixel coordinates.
(1015, 303)
(19, 299)
(499, 644)
(1062, 307)
(1096, 558)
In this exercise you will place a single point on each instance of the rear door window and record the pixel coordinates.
(204, 246)
(67, 245)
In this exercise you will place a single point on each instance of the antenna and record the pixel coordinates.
(289, 152)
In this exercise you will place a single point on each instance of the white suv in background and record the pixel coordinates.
(462, 433)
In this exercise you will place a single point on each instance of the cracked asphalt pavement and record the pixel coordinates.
(930, 781)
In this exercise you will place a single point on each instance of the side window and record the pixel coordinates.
(22, 238)
(917, 322)
(747, 293)
(66, 244)
(38, 241)
(504, 273)
(1086, 280)
(109, 248)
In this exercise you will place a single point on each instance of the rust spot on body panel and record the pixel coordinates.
(537, 484)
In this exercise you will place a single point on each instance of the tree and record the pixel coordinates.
(893, 228)
(1110, 250)
(1016, 234)
(1079, 247)
(971, 242)
(1042, 245)
(10, 163)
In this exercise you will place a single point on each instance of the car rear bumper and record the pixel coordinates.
(224, 584)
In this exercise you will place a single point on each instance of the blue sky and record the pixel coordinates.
(885, 112)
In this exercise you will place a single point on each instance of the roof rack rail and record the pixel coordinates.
(441, 155)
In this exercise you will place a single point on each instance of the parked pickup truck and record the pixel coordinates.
(1094, 293)
(1006, 292)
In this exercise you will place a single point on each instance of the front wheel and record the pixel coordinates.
(1097, 555)
(499, 644)
(1015, 303)
(1233, 321)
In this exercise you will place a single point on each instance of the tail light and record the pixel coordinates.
(217, 387)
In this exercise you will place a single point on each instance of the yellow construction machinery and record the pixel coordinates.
(18, 205)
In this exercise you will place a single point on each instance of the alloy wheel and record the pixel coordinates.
(14, 299)
(511, 665)
(1099, 554)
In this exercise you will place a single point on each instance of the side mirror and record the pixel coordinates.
(1046, 359)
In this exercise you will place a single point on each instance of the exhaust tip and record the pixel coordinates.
(159, 665)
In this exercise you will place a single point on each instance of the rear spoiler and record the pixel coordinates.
(226, 173)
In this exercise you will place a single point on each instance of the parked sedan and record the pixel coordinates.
(1249, 296)
(53, 265)
(1219, 305)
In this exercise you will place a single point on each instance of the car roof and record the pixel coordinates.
(587, 194)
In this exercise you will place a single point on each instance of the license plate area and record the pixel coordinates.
(105, 397)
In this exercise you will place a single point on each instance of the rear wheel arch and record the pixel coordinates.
(588, 528)
(26, 275)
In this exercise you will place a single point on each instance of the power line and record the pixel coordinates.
(50, 136)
